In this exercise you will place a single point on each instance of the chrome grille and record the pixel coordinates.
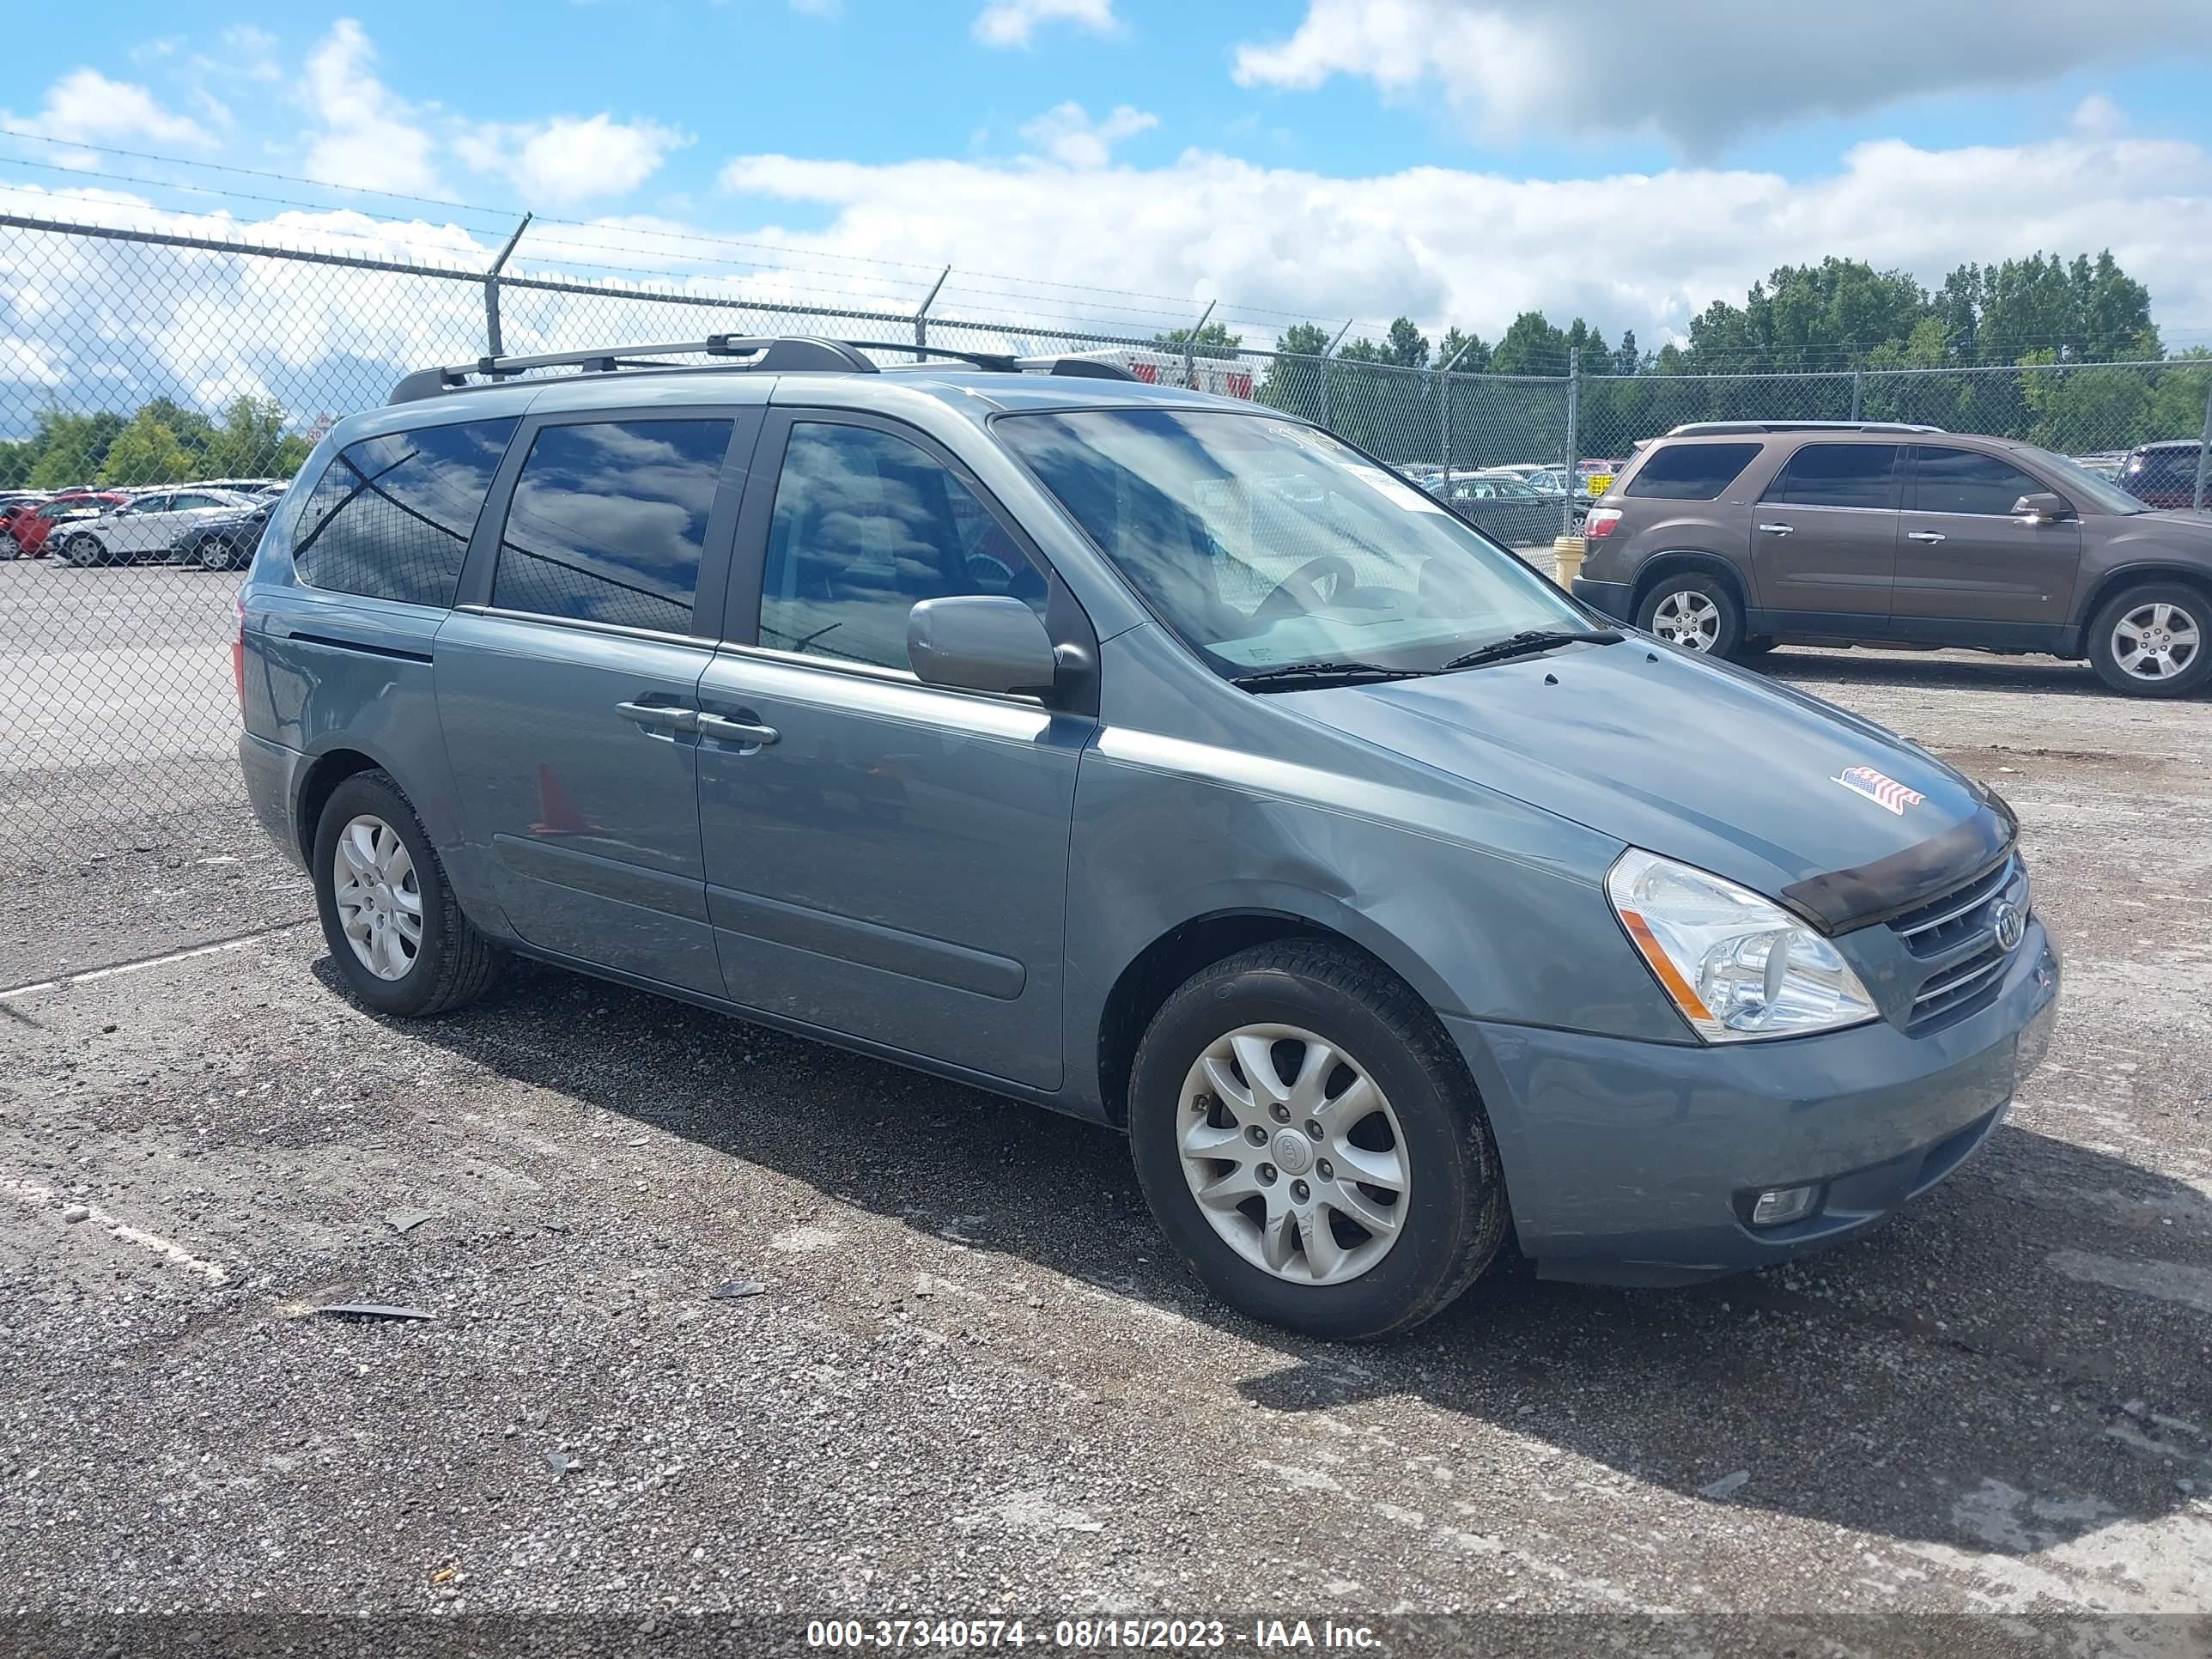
(1956, 935)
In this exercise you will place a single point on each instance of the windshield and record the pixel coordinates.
(1262, 542)
(2085, 486)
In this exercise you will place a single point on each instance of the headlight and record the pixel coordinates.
(1737, 965)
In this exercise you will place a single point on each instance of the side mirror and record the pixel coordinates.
(2042, 508)
(980, 643)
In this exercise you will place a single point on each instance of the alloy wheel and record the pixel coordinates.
(1688, 618)
(1293, 1153)
(380, 899)
(2156, 641)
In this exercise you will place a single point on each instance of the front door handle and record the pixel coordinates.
(1779, 529)
(1924, 535)
(665, 715)
(739, 732)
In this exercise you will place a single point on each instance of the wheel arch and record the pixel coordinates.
(319, 780)
(1153, 975)
(1676, 560)
(2113, 583)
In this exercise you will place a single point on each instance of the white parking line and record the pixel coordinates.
(117, 968)
(46, 1198)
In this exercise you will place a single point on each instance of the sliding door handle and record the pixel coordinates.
(723, 730)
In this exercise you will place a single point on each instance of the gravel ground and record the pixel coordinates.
(971, 1378)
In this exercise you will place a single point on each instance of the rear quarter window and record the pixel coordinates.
(1690, 472)
(390, 517)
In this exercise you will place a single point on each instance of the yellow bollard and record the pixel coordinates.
(1567, 559)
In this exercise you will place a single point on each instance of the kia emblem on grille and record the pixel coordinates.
(2011, 927)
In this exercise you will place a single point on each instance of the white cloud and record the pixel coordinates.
(1699, 75)
(1067, 133)
(366, 135)
(1644, 251)
(565, 160)
(87, 107)
(251, 51)
(1013, 22)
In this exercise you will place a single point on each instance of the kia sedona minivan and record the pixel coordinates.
(1153, 756)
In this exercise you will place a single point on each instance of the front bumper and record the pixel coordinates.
(1611, 598)
(1633, 1162)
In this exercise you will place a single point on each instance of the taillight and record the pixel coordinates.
(1600, 524)
(237, 657)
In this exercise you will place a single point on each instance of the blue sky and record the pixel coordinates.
(1458, 160)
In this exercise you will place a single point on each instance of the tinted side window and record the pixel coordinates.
(1838, 475)
(1963, 481)
(608, 519)
(867, 526)
(1692, 472)
(390, 517)
(2164, 469)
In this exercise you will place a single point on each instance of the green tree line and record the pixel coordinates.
(1821, 324)
(164, 442)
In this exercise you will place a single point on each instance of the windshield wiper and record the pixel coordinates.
(1296, 675)
(1529, 641)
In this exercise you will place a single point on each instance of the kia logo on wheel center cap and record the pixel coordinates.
(1293, 1153)
(2011, 927)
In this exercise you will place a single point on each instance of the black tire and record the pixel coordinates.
(1726, 639)
(79, 551)
(2190, 602)
(1455, 1213)
(454, 964)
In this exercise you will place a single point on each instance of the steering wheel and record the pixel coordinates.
(1299, 593)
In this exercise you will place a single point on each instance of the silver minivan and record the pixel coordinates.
(1153, 756)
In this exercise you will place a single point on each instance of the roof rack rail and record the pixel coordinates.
(778, 354)
(1718, 429)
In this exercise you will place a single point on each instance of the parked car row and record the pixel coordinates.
(215, 526)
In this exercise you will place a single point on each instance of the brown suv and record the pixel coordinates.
(1731, 537)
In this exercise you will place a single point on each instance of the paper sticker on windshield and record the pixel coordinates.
(1397, 491)
(1885, 793)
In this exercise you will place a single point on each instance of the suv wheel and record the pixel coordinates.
(1695, 612)
(1310, 1142)
(2155, 641)
(388, 915)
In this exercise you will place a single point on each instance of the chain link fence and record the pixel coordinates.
(156, 390)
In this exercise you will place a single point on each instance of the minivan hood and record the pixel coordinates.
(1695, 761)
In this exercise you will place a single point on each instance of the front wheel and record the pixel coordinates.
(395, 932)
(81, 551)
(1310, 1143)
(2151, 641)
(1695, 612)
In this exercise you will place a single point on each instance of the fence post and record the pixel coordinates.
(1190, 347)
(2203, 446)
(1327, 408)
(494, 347)
(921, 317)
(1574, 438)
(1858, 384)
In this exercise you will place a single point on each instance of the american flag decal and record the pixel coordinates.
(1885, 793)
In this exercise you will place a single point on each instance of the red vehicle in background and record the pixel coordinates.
(26, 527)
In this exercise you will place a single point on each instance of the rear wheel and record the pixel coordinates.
(2155, 641)
(215, 553)
(389, 916)
(1695, 612)
(1310, 1143)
